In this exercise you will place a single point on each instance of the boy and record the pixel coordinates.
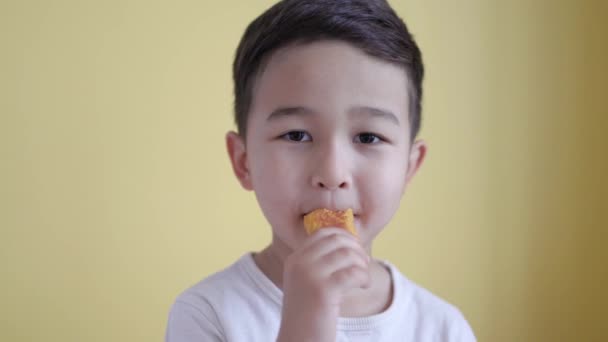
(327, 104)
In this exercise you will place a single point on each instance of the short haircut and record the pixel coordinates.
(370, 25)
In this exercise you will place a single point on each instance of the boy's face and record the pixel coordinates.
(328, 128)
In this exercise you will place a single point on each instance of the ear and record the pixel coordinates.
(416, 158)
(238, 158)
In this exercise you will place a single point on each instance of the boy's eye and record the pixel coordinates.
(297, 136)
(367, 138)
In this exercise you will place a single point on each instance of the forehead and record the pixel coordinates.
(329, 77)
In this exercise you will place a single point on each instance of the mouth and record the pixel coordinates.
(322, 218)
(355, 214)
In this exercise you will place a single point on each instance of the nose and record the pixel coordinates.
(331, 172)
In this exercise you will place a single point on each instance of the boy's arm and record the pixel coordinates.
(189, 324)
(315, 278)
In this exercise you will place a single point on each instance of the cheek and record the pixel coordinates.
(276, 168)
(382, 188)
(385, 190)
(275, 178)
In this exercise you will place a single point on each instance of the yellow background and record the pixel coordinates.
(116, 192)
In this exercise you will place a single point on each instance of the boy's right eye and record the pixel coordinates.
(297, 136)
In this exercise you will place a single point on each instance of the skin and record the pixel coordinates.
(328, 128)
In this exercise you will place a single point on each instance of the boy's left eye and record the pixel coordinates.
(367, 138)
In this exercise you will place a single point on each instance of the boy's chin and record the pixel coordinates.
(287, 243)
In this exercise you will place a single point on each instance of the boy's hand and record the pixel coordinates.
(315, 277)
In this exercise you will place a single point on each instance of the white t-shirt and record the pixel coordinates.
(241, 304)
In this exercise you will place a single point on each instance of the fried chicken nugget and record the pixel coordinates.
(322, 218)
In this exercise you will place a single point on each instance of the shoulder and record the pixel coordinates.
(222, 288)
(430, 311)
(194, 313)
(224, 305)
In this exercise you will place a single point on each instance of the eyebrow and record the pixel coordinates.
(354, 111)
(289, 111)
(375, 112)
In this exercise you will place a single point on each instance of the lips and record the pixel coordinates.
(355, 213)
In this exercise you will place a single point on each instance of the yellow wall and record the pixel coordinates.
(116, 193)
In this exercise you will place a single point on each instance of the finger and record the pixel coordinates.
(352, 277)
(327, 241)
(343, 258)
